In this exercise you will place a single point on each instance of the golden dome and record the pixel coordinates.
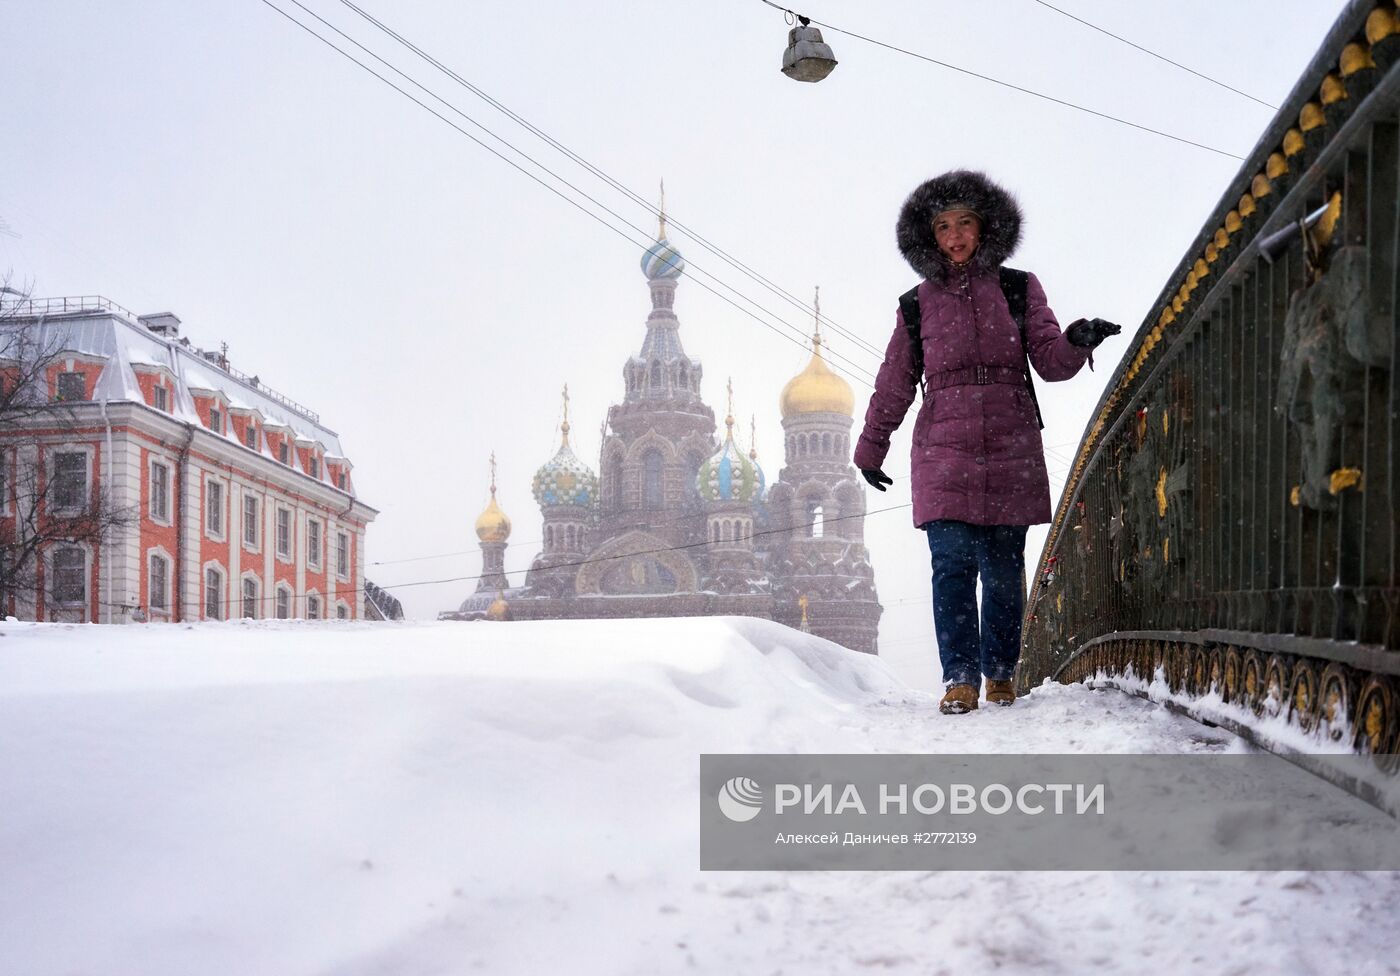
(816, 389)
(499, 608)
(492, 525)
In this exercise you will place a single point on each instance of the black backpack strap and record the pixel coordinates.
(913, 324)
(1013, 285)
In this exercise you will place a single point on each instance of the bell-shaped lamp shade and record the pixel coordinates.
(808, 57)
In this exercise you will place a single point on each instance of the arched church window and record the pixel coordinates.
(714, 531)
(655, 376)
(815, 528)
(727, 534)
(548, 538)
(651, 480)
(801, 445)
(826, 444)
(570, 536)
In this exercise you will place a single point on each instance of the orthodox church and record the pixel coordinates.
(681, 523)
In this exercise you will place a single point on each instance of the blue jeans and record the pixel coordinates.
(960, 551)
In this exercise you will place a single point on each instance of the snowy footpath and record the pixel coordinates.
(279, 799)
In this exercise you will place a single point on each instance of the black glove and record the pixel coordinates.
(877, 478)
(1090, 332)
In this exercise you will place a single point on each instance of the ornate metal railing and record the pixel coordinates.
(1233, 512)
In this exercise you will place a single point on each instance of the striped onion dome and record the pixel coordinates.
(662, 260)
(564, 479)
(729, 476)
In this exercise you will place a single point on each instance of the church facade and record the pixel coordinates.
(681, 521)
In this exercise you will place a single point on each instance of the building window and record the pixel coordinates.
(213, 594)
(313, 543)
(284, 533)
(284, 453)
(250, 435)
(651, 480)
(214, 509)
(342, 612)
(69, 575)
(158, 583)
(72, 386)
(161, 398)
(342, 555)
(250, 521)
(160, 491)
(315, 466)
(216, 420)
(70, 479)
(340, 481)
(250, 597)
(284, 603)
(313, 607)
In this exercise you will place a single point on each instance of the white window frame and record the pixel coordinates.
(168, 518)
(51, 575)
(243, 582)
(51, 462)
(314, 605)
(282, 592)
(341, 536)
(314, 555)
(216, 417)
(160, 397)
(255, 523)
(154, 553)
(221, 533)
(286, 556)
(342, 610)
(222, 604)
(250, 434)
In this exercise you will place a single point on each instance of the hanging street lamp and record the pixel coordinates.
(808, 57)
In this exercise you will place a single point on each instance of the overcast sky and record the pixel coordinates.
(361, 256)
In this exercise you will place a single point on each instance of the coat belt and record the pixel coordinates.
(976, 376)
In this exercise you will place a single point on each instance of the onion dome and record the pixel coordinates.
(499, 608)
(492, 525)
(662, 260)
(564, 479)
(816, 389)
(729, 476)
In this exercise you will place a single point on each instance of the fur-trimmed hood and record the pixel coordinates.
(1001, 222)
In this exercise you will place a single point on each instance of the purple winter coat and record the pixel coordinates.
(977, 452)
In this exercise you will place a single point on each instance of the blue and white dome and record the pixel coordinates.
(662, 260)
(565, 480)
(729, 476)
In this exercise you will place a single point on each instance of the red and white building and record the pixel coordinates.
(241, 502)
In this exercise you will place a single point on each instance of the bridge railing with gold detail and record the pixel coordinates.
(1233, 513)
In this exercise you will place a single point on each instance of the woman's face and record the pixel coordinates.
(957, 233)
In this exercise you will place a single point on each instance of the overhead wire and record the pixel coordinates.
(866, 379)
(605, 177)
(1006, 84)
(1159, 57)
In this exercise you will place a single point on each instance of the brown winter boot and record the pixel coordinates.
(1001, 692)
(958, 699)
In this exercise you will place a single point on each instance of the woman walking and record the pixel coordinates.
(978, 467)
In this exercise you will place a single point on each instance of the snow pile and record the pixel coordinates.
(356, 798)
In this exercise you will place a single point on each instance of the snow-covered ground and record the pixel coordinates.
(351, 798)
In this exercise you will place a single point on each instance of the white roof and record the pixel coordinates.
(125, 344)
